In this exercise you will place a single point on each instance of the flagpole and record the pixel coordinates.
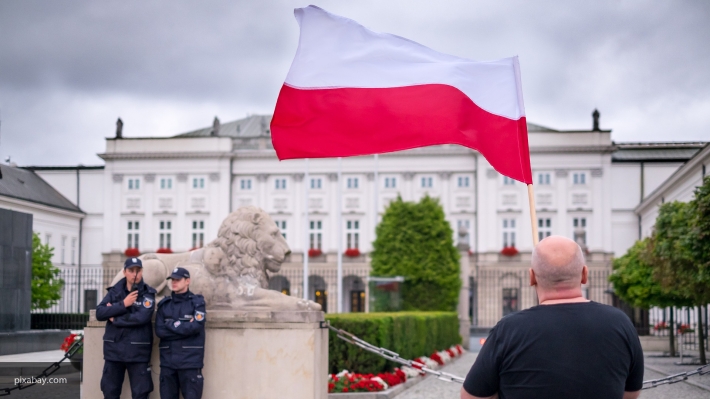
(306, 245)
(533, 215)
(377, 188)
(340, 236)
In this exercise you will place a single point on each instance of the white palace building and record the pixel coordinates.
(173, 192)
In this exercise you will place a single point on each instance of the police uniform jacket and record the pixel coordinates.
(182, 343)
(129, 337)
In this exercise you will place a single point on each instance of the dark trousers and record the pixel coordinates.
(138, 375)
(188, 381)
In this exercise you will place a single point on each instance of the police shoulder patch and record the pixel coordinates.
(148, 302)
(199, 316)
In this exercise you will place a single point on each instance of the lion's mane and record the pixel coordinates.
(238, 238)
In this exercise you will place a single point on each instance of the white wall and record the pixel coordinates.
(61, 227)
(91, 201)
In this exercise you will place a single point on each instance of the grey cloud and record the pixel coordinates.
(69, 68)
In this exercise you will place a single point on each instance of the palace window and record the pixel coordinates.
(198, 233)
(509, 232)
(316, 183)
(463, 225)
(198, 182)
(507, 181)
(427, 182)
(63, 249)
(543, 179)
(544, 228)
(390, 182)
(353, 182)
(166, 183)
(579, 178)
(280, 184)
(73, 251)
(464, 181)
(281, 224)
(133, 227)
(316, 234)
(579, 230)
(165, 232)
(245, 184)
(352, 234)
(134, 184)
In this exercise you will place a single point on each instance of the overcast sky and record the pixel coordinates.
(68, 69)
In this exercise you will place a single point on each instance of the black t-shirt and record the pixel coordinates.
(573, 350)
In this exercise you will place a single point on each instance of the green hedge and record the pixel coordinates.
(411, 334)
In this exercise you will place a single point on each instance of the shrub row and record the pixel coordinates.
(410, 334)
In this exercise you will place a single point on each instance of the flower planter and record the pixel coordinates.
(352, 252)
(509, 251)
(132, 252)
(164, 251)
(313, 252)
(77, 361)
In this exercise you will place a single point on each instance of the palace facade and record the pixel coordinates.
(172, 193)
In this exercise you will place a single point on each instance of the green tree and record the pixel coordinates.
(676, 255)
(414, 240)
(634, 281)
(46, 284)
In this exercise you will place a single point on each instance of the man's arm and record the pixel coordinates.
(161, 325)
(139, 317)
(466, 395)
(631, 395)
(193, 327)
(104, 312)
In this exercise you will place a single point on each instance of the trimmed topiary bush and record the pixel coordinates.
(414, 240)
(411, 334)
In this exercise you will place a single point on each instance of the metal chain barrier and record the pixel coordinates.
(49, 370)
(672, 379)
(389, 355)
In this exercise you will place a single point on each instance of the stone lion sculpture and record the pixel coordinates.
(231, 272)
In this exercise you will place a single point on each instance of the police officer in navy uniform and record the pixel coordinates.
(128, 339)
(180, 324)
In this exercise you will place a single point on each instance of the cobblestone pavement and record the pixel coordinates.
(433, 388)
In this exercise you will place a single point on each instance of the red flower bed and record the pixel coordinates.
(435, 357)
(685, 328)
(352, 382)
(509, 251)
(352, 252)
(314, 252)
(661, 326)
(69, 341)
(164, 251)
(132, 252)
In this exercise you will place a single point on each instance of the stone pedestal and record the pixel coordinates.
(247, 355)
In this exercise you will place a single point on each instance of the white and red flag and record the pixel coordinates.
(351, 91)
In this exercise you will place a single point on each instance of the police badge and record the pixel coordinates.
(199, 316)
(147, 303)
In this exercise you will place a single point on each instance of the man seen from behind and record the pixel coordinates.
(567, 347)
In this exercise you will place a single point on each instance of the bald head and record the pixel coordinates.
(558, 263)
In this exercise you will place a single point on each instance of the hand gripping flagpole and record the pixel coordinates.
(533, 215)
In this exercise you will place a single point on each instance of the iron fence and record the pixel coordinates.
(496, 292)
(83, 289)
(685, 325)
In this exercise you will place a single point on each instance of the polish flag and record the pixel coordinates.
(351, 91)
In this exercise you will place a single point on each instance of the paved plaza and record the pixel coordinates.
(433, 388)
